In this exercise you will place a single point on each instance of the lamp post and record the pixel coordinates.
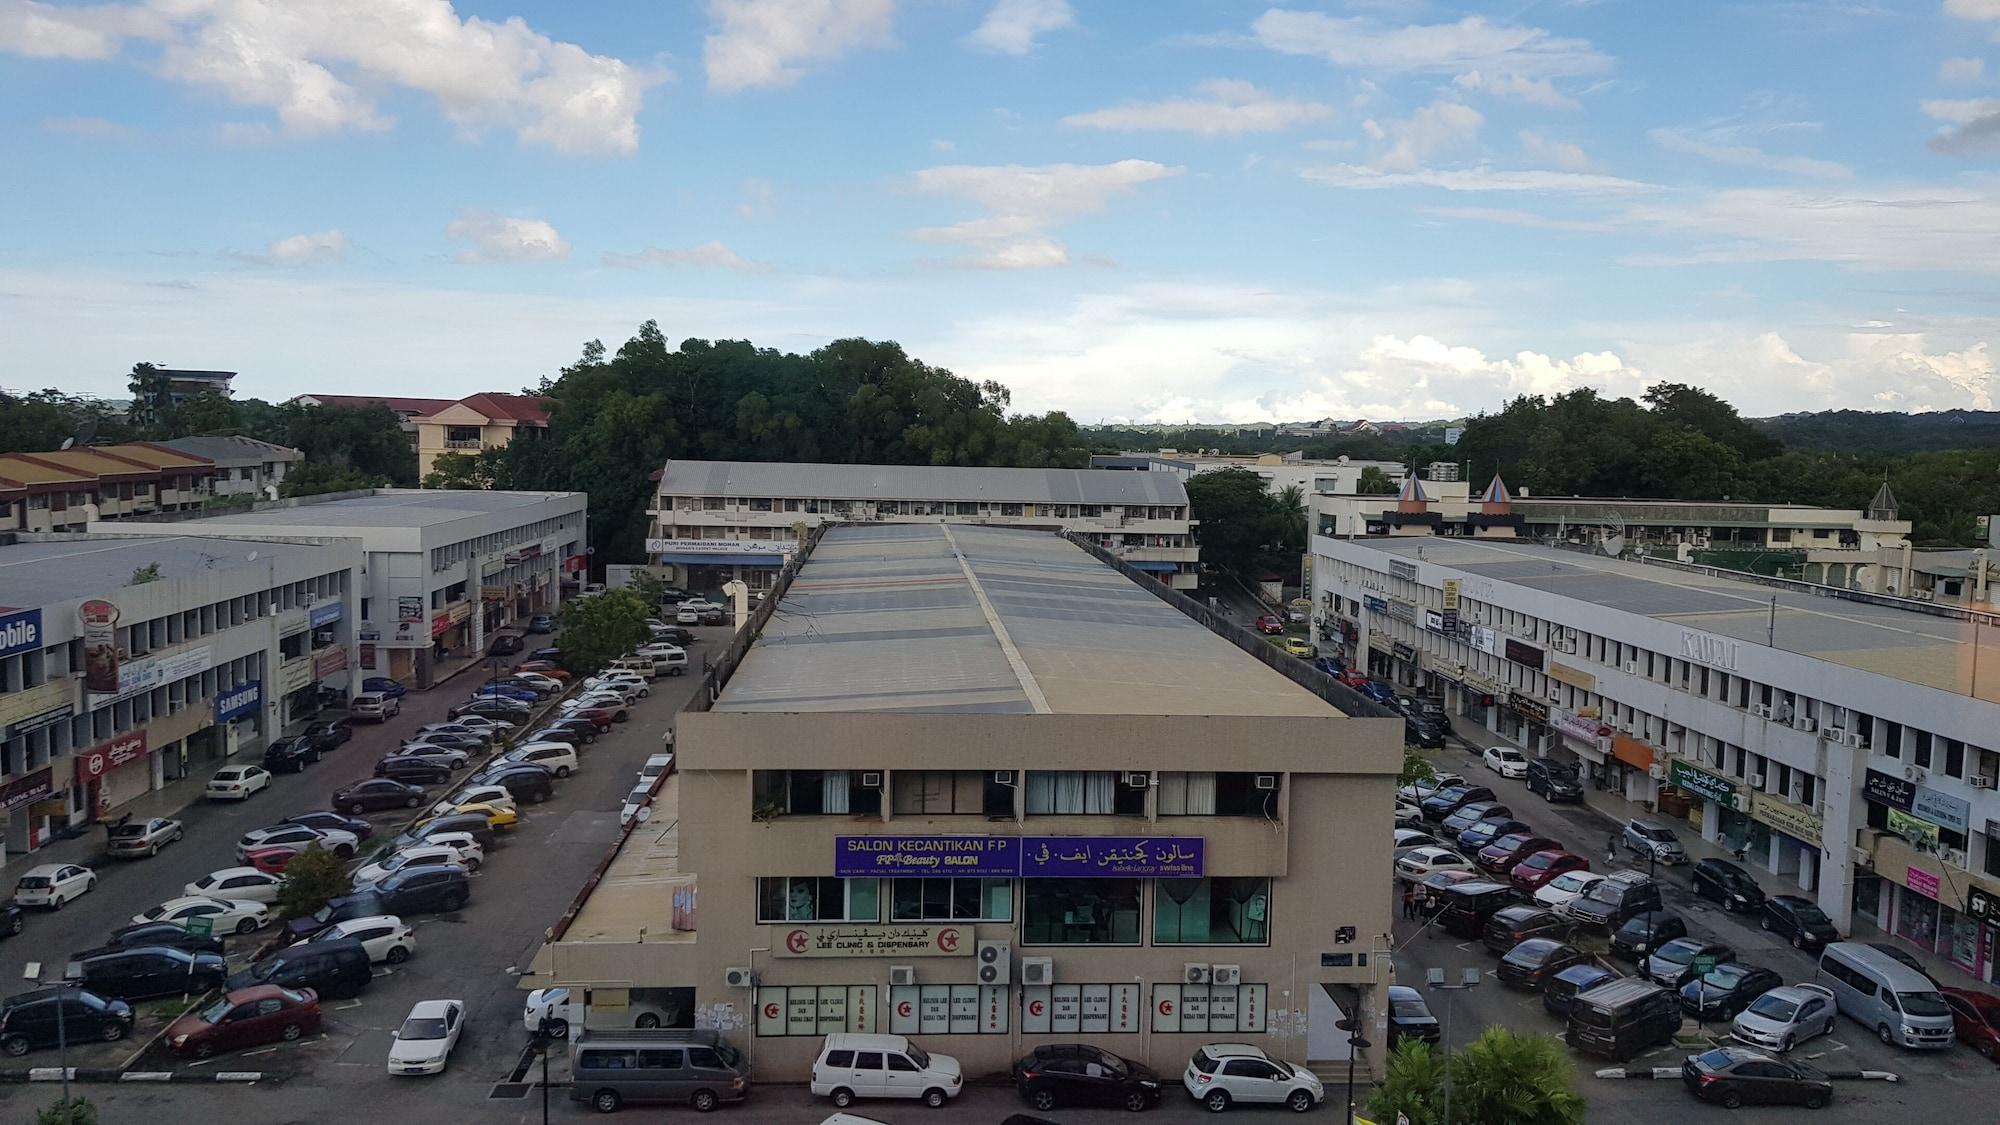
(1467, 979)
(1355, 1045)
(544, 1039)
(33, 971)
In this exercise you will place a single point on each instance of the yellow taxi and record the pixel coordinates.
(499, 816)
(1299, 646)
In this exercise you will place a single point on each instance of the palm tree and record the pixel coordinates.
(1504, 1077)
(1293, 517)
(1373, 482)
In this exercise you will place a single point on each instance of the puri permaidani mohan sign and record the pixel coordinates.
(1019, 857)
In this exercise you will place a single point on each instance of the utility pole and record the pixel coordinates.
(33, 971)
(1434, 978)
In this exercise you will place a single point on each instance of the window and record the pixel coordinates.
(1219, 794)
(1075, 792)
(1202, 1007)
(951, 900)
(938, 792)
(815, 793)
(1080, 911)
(816, 1010)
(1215, 911)
(1923, 749)
(817, 899)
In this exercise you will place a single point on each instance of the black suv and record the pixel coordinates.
(528, 782)
(340, 908)
(334, 969)
(1426, 730)
(147, 971)
(291, 755)
(1554, 781)
(1800, 920)
(30, 1020)
(413, 771)
(1727, 884)
(1079, 1074)
(1612, 899)
(375, 794)
(1445, 802)
(1641, 933)
(419, 890)
(157, 933)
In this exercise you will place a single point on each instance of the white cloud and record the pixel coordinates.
(1536, 91)
(1437, 126)
(1476, 179)
(1977, 121)
(1947, 227)
(1012, 26)
(302, 249)
(1562, 154)
(92, 31)
(768, 43)
(1961, 70)
(1472, 44)
(504, 238)
(1515, 218)
(85, 127)
(1226, 108)
(1767, 374)
(708, 255)
(758, 198)
(1961, 112)
(1024, 202)
(1705, 147)
(1973, 9)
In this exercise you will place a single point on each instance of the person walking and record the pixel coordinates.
(1409, 902)
(1611, 848)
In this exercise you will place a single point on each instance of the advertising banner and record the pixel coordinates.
(410, 609)
(239, 701)
(20, 631)
(1576, 678)
(1156, 857)
(294, 674)
(107, 756)
(1701, 783)
(875, 941)
(1526, 655)
(325, 613)
(1796, 821)
(329, 661)
(1009, 857)
(1942, 809)
(1921, 834)
(99, 622)
(861, 857)
(21, 711)
(158, 671)
(1573, 725)
(26, 790)
(1887, 789)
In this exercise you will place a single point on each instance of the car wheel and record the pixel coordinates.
(1732, 1100)
(89, 885)
(1764, 924)
(397, 955)
(1300, 1101)
(1216, 1101)
(451, 903)
(15, 1045)
(842, 1098)
(1043, 1100)
(935, 1098)
(1883, 1033)
(204, 1050)
(247, 926)
(703, 1101)
(413, 802)
(55, 903)
(1816, 1100)
(113, 1032)
(292, 1031)
(1798, 941)
(605, 1101)
(558, 1029)
(1785, 1045)
(356, 809)
(344, 851)
(15, 924)
(647, 1020)
(562, 771)
(1136, 1101)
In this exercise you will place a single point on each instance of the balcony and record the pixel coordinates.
(464, 443)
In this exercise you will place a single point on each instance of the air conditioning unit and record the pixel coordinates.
(1861, 857)
(1857, 740)
(902, 974)
(1978, 781)
(1267, 781)
(1194, 973)
(1757, 781)
(996, 961)
(1631, 667)
(1912, 773)
(1625, 725)
(1555, 693)
(1003, 777)
(1805, 723)
(1762, 711)
(1138, 780)
(1038, 970)
(1657, 771)
(739, 976)
(871, 779)
(1569, 634)
(1227, 974)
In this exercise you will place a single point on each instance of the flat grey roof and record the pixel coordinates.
(389, 507)
(33, 575)
(929, 618)
(1899, 643)
(234, 450)
(919, 482)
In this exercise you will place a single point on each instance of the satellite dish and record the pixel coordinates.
(1614, 545)
(67, 443)
(253, 556)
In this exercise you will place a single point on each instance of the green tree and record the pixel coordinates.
(207, 413)
(67, 1111)
(152, 398)
(1416, 767)
(311, 878)
(312, 478)
(463, 470)
(1294, 517)
(1412, 1085)
(1240, 521)
(599, 629)
(1508, 1077)
(1374, 482)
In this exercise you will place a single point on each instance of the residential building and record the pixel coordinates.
(1279, 470)
(66, 489)
(408, 409)
(718, 521)
(487, 420)
(965, 785)
(132, 661)
(440, 569)
(243, 466)
(1846, 741)
(181, 384)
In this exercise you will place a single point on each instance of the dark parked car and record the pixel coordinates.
(468, 742)
(340, 908)
(527, 781)
(324, 819)
(448, 757)
(1554, 781)
(1426, 730)
(1738, 1076)
(1560, 992)
(1445, 802)
(674, 635)
(414, 770)
(1430, 892)
(493, 707)
(1726, 990)
(169, 934)
(1501, 856)
(1975, 1019)
(334, 969)
(377, 793)
(1469, 815)
(715, 615)
(1486, 831)
(1468, 906)
(329, 735)
(1079, 1074)
(29, 1019)
(1410, 1017)
(145, 972)
(1513, 925)
(568, 735)
(11, 921)
(291, 755)
(1642, 933)
(1531, 963)
(1727, 884)
(506, 644)
(245, 1017)
(505, 690)
(1614, 898)
(1536, 871)
(422, 890)
(1672, 964)
(385, 686)
(542, 623)
(1799, 920)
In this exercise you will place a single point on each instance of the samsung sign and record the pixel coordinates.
(20, 632)
(239, 701)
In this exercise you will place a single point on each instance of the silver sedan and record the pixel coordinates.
(1785, 1017)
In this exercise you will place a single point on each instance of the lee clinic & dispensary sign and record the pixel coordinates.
(1027, 857)
(874, 941)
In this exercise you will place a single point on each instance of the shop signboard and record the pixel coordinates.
(1402, 611)
(101, 759)
(1530, 709)
(20, 631)
(292, 624)
(328, 661)
(145, 675)
(1434, 621)
(98, 620)
(33, 708)
(1632, 752)
(1153, 857)
(862, 857)
(1036, 857)
(1983, 905)
(1523, 654)
(440, 625)
(1402, 652)
(1574, 677)
(294, 674)
(241, 700)
(1796, 821)
(720, 546)
(1887, 789)
(1577, 727)
(324, 614)
(26, 790)
(875, 941)
(410, 609)
(1375, 604)
(459, 611)
(1683, 775)
(1921, 881)
(1450, 595)
(1942, 809)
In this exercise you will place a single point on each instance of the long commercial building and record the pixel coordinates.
(441, 569)
(968, 784)
(129, 663)
(1847, 741)
(720, 521)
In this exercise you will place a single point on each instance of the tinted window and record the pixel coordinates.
(840, 1058)
(898, 1062)
(666, 1059)
(610, 1060)
(868, 1060)
(704, 1056)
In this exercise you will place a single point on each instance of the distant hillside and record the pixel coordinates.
(1864, 431)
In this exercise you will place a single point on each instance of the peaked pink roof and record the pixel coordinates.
(515, 408)
(1413, 492)
(1496, 493)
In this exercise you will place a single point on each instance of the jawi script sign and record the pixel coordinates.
(874, 941)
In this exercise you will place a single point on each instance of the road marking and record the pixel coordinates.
(347, 1006)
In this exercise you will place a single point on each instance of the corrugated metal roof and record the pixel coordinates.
(234, 450)
(384, 508)
(920, 482)
(41, 574)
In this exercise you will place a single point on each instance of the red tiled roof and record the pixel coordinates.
(517, 408)
(400, 405)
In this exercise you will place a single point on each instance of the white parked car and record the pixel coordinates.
(562, 1010)
(1418, 863)
(52, 884)
(224, 916)
(243, 884)
(339, 841)
(1222, 1074)
(539, 682)
(659, 648)
(236, 783)
(1559, 892)
(422, 855)
(470, 730)
(687, 615)
(1505, 761)
(654, 766)
(1416, 791)
(634, 802)
(1410, 839)
(386, 937)
(473, 795)
(900, 1069)
(1409, 814)
(558, 758)
(485, 723)
(423, 1044)
(455, 756)
(471, 853)
(627, 690)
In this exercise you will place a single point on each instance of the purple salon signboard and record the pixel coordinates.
(1010, 857)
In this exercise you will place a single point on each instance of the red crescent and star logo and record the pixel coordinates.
(770, 1011)
(1035, 1008)
(903, 1009)
(1166, 1007)
(947, 940)
(796, 941)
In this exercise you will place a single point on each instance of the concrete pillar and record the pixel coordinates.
(1808, 865)
(1774, 852)
(1711, 821)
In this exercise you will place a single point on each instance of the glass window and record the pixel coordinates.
(951, 900)
(1217, 911)
(1077, 792)
(817, 899)
(1219, 794)
(816, 793)
(937, 792)
(1080, 911)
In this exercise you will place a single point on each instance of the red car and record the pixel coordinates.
(1354, 678)
(1539, 868)
(544, 668)
(271, 860)
(1975, 1016)
(1501, 855)
(600, 717)
(1269, 625)
(247, 1017)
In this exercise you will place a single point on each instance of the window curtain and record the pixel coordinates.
(1100, 792)
(1201, 794)
(833, 792)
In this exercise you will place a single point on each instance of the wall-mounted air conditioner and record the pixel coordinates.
(739, 976)
(1195, 973)
(1038, 970)
(1138, 780)
(1761, 710)
(1267, 781)
(902, 974)
(871, 779)
(1003, 777)
(1631, 667)
(1227, 974)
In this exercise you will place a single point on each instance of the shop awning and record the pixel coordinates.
(717, 558)
(1151, 565)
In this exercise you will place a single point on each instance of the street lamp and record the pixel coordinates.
(1355, 1045)
(33, 972)
(1468, 978)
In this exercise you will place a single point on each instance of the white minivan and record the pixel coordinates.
(1899, 1004)
(883, 1066)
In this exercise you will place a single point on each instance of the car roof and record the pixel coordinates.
(45, 869)
(433, 1009)
(1235, 1050)
(228, 872)
(256, 992)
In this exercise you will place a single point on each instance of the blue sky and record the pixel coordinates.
(1204, 209)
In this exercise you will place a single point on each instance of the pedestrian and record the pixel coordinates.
(1409, 902)
(1742, 848)
(1611, 848)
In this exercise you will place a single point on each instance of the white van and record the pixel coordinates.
(1899, 1004)
(883, 1066)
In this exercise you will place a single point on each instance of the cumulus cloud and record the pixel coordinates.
(321, 67)
(1977, 122)
(1497, 51)
(1023, 203)
(769, 43)
(1012, 27)
(1226, 107)
(1973, 9)
(303, 249)
(1952, 227)
(1708, 147)
(708, 255)
(1535, 91)
(1769, 374)
(1476, 179)
(1562, 154)
(504, 238)
(1961, 70)
(1437, 126)
(757, 199)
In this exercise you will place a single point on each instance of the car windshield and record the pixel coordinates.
(1718, 1059)
(1726, 975)
(917, 1056)
(155, 914)
(1922, 1004)
(428, 1027)
(262, 970)
(1411, 1009)
(1539, 860)
(1774, 1007)
(215, 1011)
(1574, 881)
(1676, 952)
(1604, 891)
(129, 830)
(1810, 915)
